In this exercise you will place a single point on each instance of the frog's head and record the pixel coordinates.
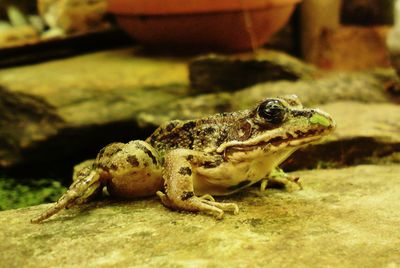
(277, 124)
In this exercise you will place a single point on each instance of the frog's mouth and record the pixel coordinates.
(296, 139)
(287, 140)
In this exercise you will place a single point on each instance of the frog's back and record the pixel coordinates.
(203, 134)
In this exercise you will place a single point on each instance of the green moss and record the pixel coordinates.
(17, 194)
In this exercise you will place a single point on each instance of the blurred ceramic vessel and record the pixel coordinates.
(231, 25)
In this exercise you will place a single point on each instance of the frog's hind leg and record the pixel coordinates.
(82, 170)
(87, 184)
(179, 191)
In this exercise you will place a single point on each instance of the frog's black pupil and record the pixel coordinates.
(272, 111)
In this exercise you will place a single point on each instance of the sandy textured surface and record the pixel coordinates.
(346, 217)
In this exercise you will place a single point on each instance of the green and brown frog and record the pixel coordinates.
(187, 162)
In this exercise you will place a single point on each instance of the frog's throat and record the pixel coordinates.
(277, 139)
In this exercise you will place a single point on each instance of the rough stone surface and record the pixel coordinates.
(212, 73)
(347, 217)
(393, 46)
(367, 13)
(87, 98)
(353, 48)
(366, 87)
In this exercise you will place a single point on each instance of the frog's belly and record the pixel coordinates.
(230, 177)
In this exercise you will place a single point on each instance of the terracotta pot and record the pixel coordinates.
(205, 24)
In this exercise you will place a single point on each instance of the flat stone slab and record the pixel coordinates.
(214, 72)
(380, 120)
(44, 108)
(343, 217)
(380, 86)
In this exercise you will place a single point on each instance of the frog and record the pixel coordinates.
(188, 162)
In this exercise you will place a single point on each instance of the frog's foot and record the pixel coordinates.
(291, 183)
(179, 192)
(207, 197)
(279, 177)
(81, 189)
(217, 206)
(198, 204)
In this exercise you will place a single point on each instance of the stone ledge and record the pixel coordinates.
(87, 98)
(343, 217)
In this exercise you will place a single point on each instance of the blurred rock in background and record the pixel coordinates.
(393, 40)
(351, 37)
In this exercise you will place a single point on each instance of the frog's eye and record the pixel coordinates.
(272, 111)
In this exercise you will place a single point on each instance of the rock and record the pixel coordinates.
(353, 48)
(347, 217)
(77, 105)
(328, 44)
(393, 44)
(212, 73)
(363, 131)
(58, 47)
(24, 119)
(366, 87)
(18, 36)
(367, 13)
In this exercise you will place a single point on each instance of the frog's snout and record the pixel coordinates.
(322, 118)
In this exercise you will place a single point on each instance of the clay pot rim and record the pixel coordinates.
(164, 7)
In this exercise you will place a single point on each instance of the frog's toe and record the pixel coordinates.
(207, 197)
(279, 178)
(291, 183)
(198, 204)
(296, 180)
(217, 212)
(263, 186)
(165, 200)
(224, 206)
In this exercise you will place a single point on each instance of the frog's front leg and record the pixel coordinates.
(179, 193)
(279, 177)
